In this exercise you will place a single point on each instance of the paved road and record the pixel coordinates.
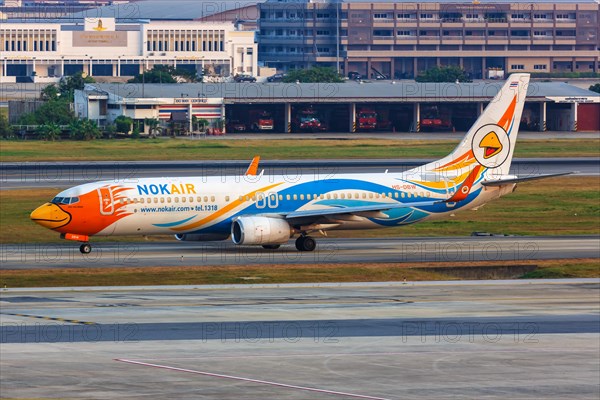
(66, 174)
(510, 250)
(489, 339)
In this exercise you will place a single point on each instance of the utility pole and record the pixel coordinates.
(337, 22)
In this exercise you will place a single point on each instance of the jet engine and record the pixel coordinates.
(260, 230)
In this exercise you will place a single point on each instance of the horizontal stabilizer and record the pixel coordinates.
(516, 179)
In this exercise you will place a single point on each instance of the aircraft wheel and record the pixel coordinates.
(305, 243)
(271, 246)
(85, 248)
(309, 243)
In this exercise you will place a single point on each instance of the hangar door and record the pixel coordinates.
(588, 117)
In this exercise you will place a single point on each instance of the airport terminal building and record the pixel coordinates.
(43, 52)
(400, 38)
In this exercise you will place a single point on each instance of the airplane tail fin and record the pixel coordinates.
(490, 143)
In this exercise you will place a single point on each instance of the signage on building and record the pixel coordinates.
(187, 100)
(574, 99)
(99, 39)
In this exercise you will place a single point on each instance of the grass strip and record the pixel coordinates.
(274, 149)
(273, 274)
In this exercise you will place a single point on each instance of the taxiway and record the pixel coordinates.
(438, 340)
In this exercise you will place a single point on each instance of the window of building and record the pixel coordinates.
(323, 33)
(323, 15)
(426, 16)
(539, 66)
(518, 16)
(323, 49)
(517, 66)
(405, 33)
(381, 16)
(406, 16)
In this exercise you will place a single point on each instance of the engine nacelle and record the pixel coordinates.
(260, 230)
(203, 237)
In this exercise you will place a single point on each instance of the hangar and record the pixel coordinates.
(399, 106)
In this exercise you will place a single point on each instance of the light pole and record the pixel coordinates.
(337, 23)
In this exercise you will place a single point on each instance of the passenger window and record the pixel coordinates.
(168, 199)
(396, 195)
(280, 197)
(321, 196)
(241, 198)
(328, 196)
(364, 195)
(308, 196)
(162, 199)
(155, 200)
(287, 197)
(402, 195)
(183, 199)
(295, 197)
(206, 199)
(301, 197)
(342, 196)
(212, 198)
(226, 198)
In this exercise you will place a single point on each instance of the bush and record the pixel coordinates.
(84, 129)
(6, 131)
(595, 88)
(123, 124)
(444, 74)
(314, 75)
(48, 132)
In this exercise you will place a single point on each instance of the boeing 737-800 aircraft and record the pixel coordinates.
(268, 210)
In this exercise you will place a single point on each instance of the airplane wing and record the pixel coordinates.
(340, 210)
(516, 179)
(253, 167)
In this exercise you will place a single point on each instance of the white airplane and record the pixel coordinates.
(268, 210)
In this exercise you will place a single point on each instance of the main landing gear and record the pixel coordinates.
(305, 243)
(85, 248)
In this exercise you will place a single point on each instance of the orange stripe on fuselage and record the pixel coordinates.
(223, 210)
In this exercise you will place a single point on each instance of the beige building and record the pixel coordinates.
(400, 38)
(45, 51)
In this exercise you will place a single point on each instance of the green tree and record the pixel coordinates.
(314, 75)
(165, 74)
(595, 88)
(6, 131)
(56, 111)
(84, 129)
(48, 132)
(443, 74)
(109, 131)
(153, 125)
(50, 92)
(68, 85)
(123, 124)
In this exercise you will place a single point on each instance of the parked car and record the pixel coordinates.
(276, 78)
(354, 75)
(244, 78)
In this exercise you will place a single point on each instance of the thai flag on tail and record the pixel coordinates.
(514, 84)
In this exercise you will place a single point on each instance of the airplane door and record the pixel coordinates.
(450, 190)
(107, 203)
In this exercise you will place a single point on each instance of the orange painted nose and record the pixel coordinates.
(50, 216)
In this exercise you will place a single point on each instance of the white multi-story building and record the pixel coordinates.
(45, 51)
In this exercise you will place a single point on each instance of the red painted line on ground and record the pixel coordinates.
(239, 378)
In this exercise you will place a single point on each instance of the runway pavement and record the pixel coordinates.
(508, 250)
(435, 340)
(65, 174)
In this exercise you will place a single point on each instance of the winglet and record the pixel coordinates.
(253, 167)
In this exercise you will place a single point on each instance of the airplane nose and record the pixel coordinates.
(50, 216)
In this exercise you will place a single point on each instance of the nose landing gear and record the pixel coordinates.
(85, 248)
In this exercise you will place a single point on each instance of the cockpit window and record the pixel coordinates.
(65, 200)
